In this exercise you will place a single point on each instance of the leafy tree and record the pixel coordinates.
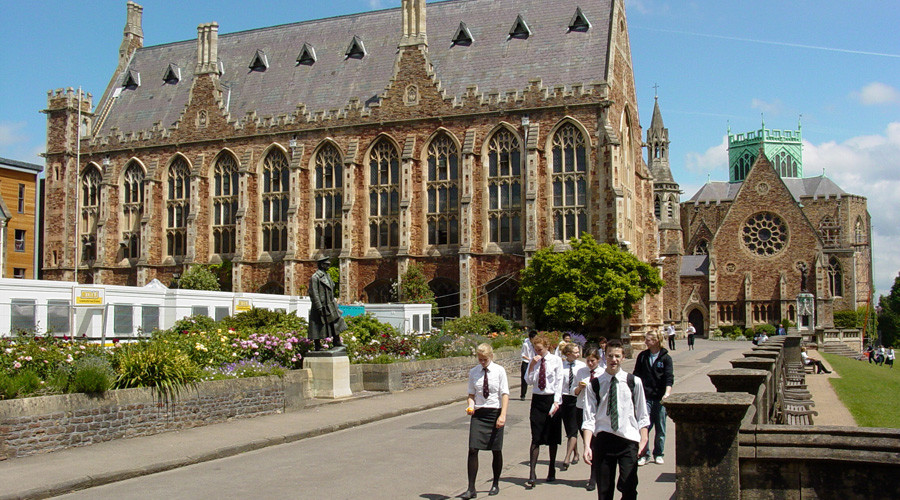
(889, 315)
(414, 288)
(223, 274)
(335, 273)
(199, 277)
(583, 287)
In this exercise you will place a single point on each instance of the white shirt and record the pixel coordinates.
(691, 330)
(553, 372)
(497, 385)
(584, 375)
(889, 354)
(527, 351)
(670, 331)
(804, 357)
(631, 419)
(577, 365)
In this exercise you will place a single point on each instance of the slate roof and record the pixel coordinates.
(6, 162)
(808, 187)
(695, 265)
(494, 61)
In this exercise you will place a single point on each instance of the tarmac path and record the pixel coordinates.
(417, 455)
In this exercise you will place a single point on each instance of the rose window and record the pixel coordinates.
(765, 234)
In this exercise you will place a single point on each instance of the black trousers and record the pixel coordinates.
(524, 385)
(671, 342)
(611, 451)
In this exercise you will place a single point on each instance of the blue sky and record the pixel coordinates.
(716, 63)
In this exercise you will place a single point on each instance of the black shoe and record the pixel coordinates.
(551, 477)
(591, 487)
(495, 490)
(564, 467)
(468, 494)
(529, 484)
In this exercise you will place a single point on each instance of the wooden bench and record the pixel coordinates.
(798, 414)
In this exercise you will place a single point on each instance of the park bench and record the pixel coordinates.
(798, 414)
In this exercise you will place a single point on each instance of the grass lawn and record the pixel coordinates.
(869, 391)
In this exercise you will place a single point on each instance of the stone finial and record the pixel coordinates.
(133, 34)
(207, 49)
(413, 23)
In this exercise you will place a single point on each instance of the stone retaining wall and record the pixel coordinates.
(48, 423)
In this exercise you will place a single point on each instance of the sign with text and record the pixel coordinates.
(88, 296)
(242, 304)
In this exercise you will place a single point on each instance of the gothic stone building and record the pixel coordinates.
(733, 253)
(509, 126)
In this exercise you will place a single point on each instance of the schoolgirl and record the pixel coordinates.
(570, 414)
(590, 371)
(545, 377)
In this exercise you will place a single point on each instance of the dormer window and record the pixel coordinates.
(260, 62)
(173, 74)
(463, 36)
(356, 50)
(132, 80)
(520, 29)
(307, 55)
(579, 22)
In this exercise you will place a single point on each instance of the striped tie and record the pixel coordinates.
(612, 406)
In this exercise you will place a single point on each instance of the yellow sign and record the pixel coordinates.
(242, 305)
(88, 296)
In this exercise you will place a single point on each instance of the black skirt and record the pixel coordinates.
(572, 416)
(544, 428)
(483, 431)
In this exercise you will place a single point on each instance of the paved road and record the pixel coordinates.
(421, 455)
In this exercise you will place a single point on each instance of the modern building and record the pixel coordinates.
(19, 215)
(461, 136)
(740, 252)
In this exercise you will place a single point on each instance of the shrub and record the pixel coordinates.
(264, 320)
(768, 329)
(19, 385)
(786, 323)
(286, 349)
(243, 369)
(154, 364)
(365, 328)
(93, 375)
(199, 277)
(846, 319)
(390, 343)
(193, 324)
(477, 324)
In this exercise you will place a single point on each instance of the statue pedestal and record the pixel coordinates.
(806, 312)
(330, 374)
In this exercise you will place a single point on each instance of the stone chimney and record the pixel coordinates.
(133, 37)
(413, 23)
(207, 49)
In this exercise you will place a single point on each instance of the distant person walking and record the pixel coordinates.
(889, 357)
(870, 353)
(691, 331)
(527, 354)
(655, 369)
(879, 355)
(545, 376)
(487, 403)
(670, 333)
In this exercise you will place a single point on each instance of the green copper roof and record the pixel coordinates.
(782, 148)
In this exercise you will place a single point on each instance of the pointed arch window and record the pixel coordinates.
(830, 231)
(835, 278)
(670, 208)
(504, 185)
(328, 198)
(90, 211)
(569, 182)
(786, 165)
(702, 248)
(742, 166)
(657, 208)
(225, 205)
(276, 188)
(178, 194)
(384, 195)
(132, 210)
(443, 191)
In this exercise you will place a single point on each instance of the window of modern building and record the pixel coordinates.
(504, 184)
(19, 273)
(225, 205)
(20, 240)
(21, 198)
(22, 315)
(329, 195)
(178, 194)
(123, 319)
(384, 195)
(57, 316)
(276, 188)
(443, 192)
(569, 182)
(149, 319)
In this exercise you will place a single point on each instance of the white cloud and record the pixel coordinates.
(877, 93)
(383, 4)
(714, 158)
(773, 108)
(10, 133)
(868, 166)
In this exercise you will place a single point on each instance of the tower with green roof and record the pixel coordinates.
(782, 147)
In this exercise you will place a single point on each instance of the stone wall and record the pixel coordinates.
(49, 423)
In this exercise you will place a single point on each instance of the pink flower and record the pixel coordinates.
(17, 365)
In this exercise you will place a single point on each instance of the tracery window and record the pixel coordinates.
(177, 207)
(504, 185)
(765, 234)
(384, 195)
(90, 211)
(569, 182)
(132, 209)
(702, 248)
(443, 192)
(670, 208)
(743, 165)
(225, 204)
(276, 187)
(328, 198)
(830, 230)
(785, 165)
(657, 210)
(835, 278)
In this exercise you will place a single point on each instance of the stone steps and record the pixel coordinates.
(838, 348)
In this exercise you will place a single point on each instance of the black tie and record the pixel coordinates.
(571, 377)
(612, 406)
(484, 388)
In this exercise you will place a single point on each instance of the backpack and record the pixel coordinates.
(629, 381)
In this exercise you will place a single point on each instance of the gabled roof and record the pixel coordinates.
(807, 187)
(493, 61)
(20, 165)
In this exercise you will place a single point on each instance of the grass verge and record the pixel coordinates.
(867, 390)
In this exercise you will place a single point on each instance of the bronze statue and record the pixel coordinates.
(324, 317)
(803, 276)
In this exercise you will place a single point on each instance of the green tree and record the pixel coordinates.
(889, 315)
(583, 287)
(199, 277)
(414, 288)
(335, 273)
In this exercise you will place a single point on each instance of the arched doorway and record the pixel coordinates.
(503, 299)
(696, 318)
(380, 292)
(446, 294)
(272, 288)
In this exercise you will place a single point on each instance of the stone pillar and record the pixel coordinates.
(792, 348)
(466, 224)
(747, 381)
(330, 374)
(706, 450)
